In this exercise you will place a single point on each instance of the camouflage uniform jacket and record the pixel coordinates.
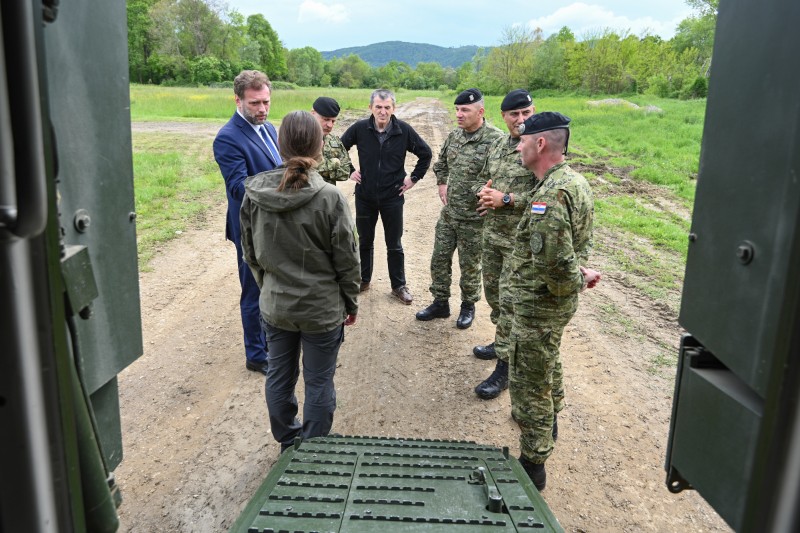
(552, 241)
(504, 167)
(460, 161)
(335, 165)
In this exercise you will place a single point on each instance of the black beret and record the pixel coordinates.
(516, 99)
(326, 107)
(544, 121)
(470, 96)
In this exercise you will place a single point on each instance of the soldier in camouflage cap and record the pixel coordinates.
(335, 164)
(547, 271)
(459, 227)
(503, 201)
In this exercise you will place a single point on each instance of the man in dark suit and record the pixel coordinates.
(245, 146)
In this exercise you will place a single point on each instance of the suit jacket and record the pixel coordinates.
(240, 152)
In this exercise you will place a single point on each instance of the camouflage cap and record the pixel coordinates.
(544, 121)
(470, 96)
(516, 99)
(326, 107)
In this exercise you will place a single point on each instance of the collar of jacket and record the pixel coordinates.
(393, 120)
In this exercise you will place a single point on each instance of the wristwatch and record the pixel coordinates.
(506, 199)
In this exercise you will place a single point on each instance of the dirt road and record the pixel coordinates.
(195, 427)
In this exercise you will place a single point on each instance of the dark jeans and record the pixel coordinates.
(391, 214)
(319, 364)
(255, 343)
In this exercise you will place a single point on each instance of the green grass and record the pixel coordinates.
(662, 148)
(175, 180)
(154, 103)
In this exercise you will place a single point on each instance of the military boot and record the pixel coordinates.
(438, 309)
(536, 472)
(485, 352)
(494, 384)
(466, 316)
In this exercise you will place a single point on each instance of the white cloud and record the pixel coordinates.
(311, 11)
(584, 18)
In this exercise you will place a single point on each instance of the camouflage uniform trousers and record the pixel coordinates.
(497, 251)
(536, 381)
(464, 235)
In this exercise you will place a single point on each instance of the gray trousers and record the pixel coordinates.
(319, 364)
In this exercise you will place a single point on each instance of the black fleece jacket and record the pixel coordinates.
(382, 165)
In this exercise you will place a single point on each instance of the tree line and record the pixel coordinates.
(203, 42)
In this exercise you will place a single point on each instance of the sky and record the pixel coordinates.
(333, 24)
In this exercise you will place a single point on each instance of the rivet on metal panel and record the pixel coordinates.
(745, 252)
(82, 220)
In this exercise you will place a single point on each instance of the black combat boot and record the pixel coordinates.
(494, 384)
(485, 352)
(536, 472)
(438, 309)
(466, 316)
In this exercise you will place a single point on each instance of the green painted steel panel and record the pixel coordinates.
(355, 484)
(87, 69)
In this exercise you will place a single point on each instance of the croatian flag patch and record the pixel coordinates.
(538, 208)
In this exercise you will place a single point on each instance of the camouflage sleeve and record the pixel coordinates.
(522, 200)
(483, 174)
(335, 165)
(551, 244)
(440, 167)
(248, 247)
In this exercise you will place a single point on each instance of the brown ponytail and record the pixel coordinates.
(300, 144)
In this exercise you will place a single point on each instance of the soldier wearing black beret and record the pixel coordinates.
(502, 204)
(460, 226)
(548, 270)
(335, 164)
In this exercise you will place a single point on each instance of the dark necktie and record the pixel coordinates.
(270, 145)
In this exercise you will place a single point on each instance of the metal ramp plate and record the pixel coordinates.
(354, 484)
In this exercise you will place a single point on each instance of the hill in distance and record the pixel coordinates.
(379, 54)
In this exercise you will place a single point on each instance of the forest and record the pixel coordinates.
(206, 43)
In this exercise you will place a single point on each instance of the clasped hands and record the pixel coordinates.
(489, 198)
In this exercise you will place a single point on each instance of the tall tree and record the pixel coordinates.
(509, 64)
(305, 66)
(140, 46)
(697, 32)
(273, 56)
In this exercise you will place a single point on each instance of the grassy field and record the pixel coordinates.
(154, 103)
(642, 163)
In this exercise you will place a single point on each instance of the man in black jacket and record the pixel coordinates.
(382, 142)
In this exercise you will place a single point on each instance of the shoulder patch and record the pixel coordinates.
(538, 208)
(536, 242)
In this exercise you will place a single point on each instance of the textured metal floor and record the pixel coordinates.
(354, 484)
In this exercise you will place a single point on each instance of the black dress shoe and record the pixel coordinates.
(257, 367)
(466, 316)
(364, 286)
(485, 352)
(438, 309)
(536, 472)
(494, 384)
